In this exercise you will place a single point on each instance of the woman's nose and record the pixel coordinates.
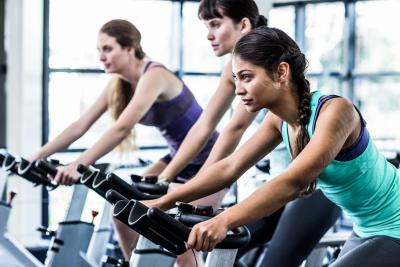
(210, 36)
(102, 57)
(239, 90)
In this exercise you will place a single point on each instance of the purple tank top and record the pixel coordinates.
(174, 118)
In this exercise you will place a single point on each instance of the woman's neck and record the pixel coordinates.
(287, 109)
(134, 70)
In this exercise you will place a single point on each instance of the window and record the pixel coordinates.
(283, 18)
(171, 34)
(324, 37)
(75, 73)
(344, 45)
(377, 67)
(377, 43)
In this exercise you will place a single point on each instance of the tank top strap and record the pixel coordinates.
(150, 65)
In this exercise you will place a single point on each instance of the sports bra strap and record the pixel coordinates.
(149, 65)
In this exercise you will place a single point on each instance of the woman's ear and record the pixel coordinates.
(283, 71)
(245, 25)
(131, 51)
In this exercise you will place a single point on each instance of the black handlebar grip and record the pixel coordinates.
(46, 167)
(129, 191)
(82, 169)
(113, 196)
(10, 164)
(2, 158)
(155, 214)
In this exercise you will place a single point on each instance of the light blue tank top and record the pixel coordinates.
(359, 180)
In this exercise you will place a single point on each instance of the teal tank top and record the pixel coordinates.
(366, 186)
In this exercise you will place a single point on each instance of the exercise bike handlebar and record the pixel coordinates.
(47, 167)
(239, 237)
(37, 175)
(101, 183)
(10, 164)
(27, 170)
(161, 228)
(2, 158)
(129, 190)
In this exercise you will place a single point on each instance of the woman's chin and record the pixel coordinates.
(252, 109)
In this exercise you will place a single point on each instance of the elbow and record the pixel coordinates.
(237, 126)
(299, 188)
(122, 131)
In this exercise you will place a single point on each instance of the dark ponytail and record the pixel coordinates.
(260, 21)
(234, 9)
(268, 47)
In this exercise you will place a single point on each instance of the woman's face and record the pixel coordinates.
(111, 54)
(223, 33)
(255, 88)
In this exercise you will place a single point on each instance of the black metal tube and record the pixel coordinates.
(30, 172)
(129, 191)
(46, 167)
(113, 196)
(10, 164)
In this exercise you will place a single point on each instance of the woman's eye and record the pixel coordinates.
(246, 78)
(214, 25)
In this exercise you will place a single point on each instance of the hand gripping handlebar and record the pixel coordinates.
(161, 228)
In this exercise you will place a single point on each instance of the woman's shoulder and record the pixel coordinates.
(336, 104)
(156, 70)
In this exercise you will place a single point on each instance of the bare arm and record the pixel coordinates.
(147, 91)
(334, 125)
(226, 171)
(76, 129)
(202, 130)
(230, 135)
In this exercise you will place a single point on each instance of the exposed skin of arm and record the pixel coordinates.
(76, 129)
(147, 91)
(230, 136)
(227, 170)
(202, 130)
(336, 122)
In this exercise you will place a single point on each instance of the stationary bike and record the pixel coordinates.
(163, 237)
(141, 188)
(72, 235)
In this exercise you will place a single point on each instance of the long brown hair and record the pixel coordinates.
(268, 47)
(126, 35)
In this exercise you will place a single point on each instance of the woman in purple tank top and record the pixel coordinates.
(141, 91)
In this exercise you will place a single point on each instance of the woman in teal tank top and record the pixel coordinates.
(330, 146)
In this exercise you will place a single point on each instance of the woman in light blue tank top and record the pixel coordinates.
(330, 146)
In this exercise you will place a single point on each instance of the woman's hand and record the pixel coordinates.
(67, 175)
(154, 203)
(206, 235)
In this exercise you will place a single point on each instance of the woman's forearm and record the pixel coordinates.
(225, 145)
(194, 142)
(263, 202)
(104, 145)
(215, 178)
(61, 142)
(231, 135)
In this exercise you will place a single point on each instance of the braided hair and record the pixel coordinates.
(268, 47)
